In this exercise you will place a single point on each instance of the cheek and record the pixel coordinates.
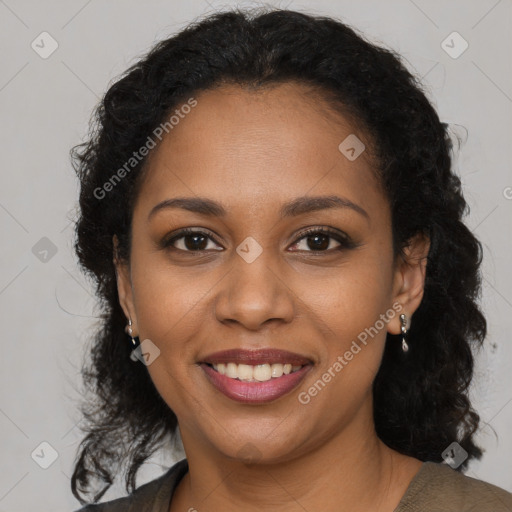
(352, 297)
(169, 313)
(354, 315)
(351, 353)
(169, 301)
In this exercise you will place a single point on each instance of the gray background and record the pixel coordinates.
(47, 307)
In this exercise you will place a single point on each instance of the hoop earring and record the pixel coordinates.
(129, 331)
(403, 329)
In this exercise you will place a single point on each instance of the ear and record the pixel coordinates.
(409, 279)
(124, 286)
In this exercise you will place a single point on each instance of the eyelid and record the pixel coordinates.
(345, 241)
(332, 232)
(180, 233)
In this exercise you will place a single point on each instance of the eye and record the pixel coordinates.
(189, 241)
(320, 240)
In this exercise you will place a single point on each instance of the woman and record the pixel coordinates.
(269, 212)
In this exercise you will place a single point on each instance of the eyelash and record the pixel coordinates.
(344, 240)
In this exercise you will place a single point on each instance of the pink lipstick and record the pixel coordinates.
(255, 376)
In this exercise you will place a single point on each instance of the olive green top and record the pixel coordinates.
(435, 488)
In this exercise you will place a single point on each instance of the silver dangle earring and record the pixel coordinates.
(403, 328)
(129, 331)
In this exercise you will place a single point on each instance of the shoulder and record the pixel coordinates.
(439, 487)
(152, 496)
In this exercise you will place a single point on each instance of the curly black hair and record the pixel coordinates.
(421, 400)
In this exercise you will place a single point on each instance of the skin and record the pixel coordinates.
(252, 152)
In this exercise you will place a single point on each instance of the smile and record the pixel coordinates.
(255, 376)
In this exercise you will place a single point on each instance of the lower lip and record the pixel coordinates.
(255, 392)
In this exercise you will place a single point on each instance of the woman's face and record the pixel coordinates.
(251, 279)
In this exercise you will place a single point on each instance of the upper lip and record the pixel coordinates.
(255, 357)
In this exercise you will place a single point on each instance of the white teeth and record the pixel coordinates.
(245, 372)
(277, 370)
(231, 370)
(262, 372)
(256, 373)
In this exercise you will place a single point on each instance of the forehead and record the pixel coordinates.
(246, 148)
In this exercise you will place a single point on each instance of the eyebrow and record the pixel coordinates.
(294, 208)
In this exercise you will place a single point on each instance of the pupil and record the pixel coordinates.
(193, 245)
(319, 245)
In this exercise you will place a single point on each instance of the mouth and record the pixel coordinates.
(255, 376)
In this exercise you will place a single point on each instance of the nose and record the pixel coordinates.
(254, 294)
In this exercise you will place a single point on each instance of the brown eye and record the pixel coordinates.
(321, 240)
(188, 240)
